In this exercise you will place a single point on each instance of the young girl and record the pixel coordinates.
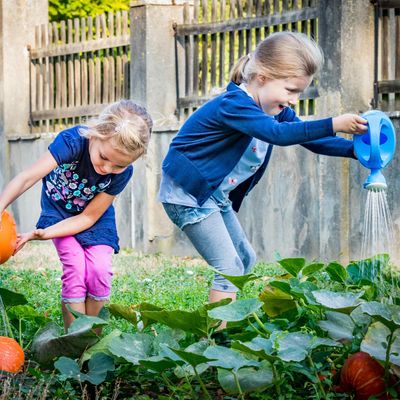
(223, 149)
(83, 170)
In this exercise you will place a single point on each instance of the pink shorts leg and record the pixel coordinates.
(98, 271)
(72, 257)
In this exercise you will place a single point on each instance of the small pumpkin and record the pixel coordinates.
(12, 356)
(8, 236)
(364, 376)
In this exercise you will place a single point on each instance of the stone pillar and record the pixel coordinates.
(153, 85)
(18, 19)
(346, 34)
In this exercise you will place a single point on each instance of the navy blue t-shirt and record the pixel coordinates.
(68, 189)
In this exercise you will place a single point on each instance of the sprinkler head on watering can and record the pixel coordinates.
(375, 148)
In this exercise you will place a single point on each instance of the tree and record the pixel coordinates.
(65, 9)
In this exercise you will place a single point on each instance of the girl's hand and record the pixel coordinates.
(350, 123)
(22, 238)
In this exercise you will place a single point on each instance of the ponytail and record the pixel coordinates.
(237, 72)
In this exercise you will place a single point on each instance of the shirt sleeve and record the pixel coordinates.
(330, 146)
(67, 146)
(119, 181)
(239, 112)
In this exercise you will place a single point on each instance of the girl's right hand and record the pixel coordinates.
(23, 238)
(350, 123)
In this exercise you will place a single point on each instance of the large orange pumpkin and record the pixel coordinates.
(364, 376)
(8, 237)
(12, 356)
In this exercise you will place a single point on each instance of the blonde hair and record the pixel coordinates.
(282, 55)
(126, 122)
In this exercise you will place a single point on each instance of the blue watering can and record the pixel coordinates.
(375, 148)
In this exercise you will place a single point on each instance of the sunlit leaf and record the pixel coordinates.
(236, 311)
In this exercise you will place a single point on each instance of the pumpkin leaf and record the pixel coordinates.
(258, 347)
(236, 311)
(293, 265)
(122, 311)
(132, 347)
(238, 280)
(337, 272)
(11, 298)
(192, 359)
(276, 302)
(224, 357)
(50, 343)
(157, 364)
(98, 367)
(188, 321)
(311, 269)
(375, 343)
(338, 325)
(341, 301)
(100, 347)
(296, 346)
(388, 315)
(250, 379)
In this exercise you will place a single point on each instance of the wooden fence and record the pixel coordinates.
(215, 34)
(387, 55)
(77, 67)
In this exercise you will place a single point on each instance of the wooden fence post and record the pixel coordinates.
(153, 84)
(346, 31)
(18, 19)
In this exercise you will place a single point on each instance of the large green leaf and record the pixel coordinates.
(98, 367)
(238, 280)
(85, 323)
(293, 265)
(188, 321)
(338, 325)
(50, 343)
(388, 315)
(227, 358)
(258, 347)
(276, 302)
(101, 346)
(157, 363)
(236, 311)
(12, 298)
(122, 311)
(340, 301)
(368, 270)
(192, 359)
(337, 272)
(311, 269)
(295, 346)
(375, 343)
(132, 347)
(250, 379)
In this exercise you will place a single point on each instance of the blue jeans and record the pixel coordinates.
(218, 237)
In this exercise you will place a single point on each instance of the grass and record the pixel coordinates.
(170, 282)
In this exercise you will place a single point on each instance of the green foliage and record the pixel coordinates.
(291, 353)
(64, 9)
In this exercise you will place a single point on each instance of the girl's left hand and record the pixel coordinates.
(22, 238)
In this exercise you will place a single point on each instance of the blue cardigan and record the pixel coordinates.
(213, 139)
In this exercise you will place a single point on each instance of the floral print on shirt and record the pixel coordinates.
(67, 188)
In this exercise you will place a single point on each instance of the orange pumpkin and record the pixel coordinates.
(364, 376)
(12, 356)
(8, 237)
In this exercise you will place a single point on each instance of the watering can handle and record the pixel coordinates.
(374, 127)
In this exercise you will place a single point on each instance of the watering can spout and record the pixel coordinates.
(375, 148)
(375, 182)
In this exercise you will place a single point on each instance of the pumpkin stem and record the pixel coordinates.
(319, 383)
(387, 360)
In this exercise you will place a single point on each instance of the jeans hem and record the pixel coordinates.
(224, 288)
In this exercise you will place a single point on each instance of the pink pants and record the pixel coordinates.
(86, 270)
